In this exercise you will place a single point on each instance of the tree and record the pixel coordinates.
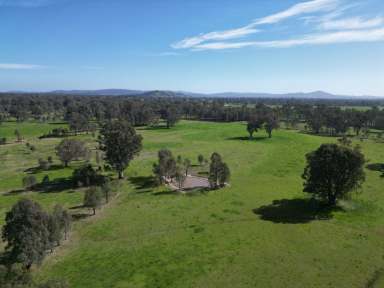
(29, 182)
(120, 143)
(180, 176)
(19, 138)
(63, 220)
(78, 122)
(218, 172)
(92, 198)
(271, 123)
(254, 124)
(86, 176)
(106, 188)
(55, 232)
(187, 165)
(171, 116)
(200, 159)
(333, 171)
(71, 149)
(26, 233)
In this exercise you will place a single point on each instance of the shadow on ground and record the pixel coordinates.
(143, 183)
(295, 211)
(38, 169)
(375, 167)
(245, 138)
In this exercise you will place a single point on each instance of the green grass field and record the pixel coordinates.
(259, 232)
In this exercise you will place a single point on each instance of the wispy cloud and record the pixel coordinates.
(324, 15)
(312, 39)
(352, 23)
(13, 66)
(298, 9)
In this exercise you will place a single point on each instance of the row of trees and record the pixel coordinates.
(82, 113)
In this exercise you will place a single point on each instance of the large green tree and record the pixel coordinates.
(120, 143)
(26, 233)
(333, 171)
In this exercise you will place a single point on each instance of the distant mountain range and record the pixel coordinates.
(164, 93)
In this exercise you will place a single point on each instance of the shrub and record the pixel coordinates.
(29, 182)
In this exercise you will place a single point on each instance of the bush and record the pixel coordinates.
(44, 164)
(29, 182)
(3, 141)
(86, 176)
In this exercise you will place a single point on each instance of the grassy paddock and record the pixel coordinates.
(259, 232)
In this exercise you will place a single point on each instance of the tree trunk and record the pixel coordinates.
(94, 211)
(121, 174)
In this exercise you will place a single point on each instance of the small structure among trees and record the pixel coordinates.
(179, 174)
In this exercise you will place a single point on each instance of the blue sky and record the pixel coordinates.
(197, 45)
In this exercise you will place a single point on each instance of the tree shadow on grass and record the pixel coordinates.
(245, 138)
(379, 167)
(165, 193)
(38, 169)
(55, 186)
(80, 216)
(143, 184)
(295, 211)
(14, 192)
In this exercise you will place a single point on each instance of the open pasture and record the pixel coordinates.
(261, 231)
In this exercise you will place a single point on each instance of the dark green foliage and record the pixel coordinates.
(93, 198)
(187, 165)
(19, 138)
(345, 141)
(26, 233)
(29, 182)
(71, 149)
(15, 276)
(219, 172)
(333, 171)
(120, 143)
(86, 176)
(45, 180)
(171, 116)
(3, 141)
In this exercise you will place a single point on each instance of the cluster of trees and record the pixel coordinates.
(168, 169)
(262, 117)
(30, 232)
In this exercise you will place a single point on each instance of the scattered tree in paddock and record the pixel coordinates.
(271, 123)
(187, 165)
(71, 149)
(165, 169)
(333, 171)
(219, 172)
(29, 182)
(120, 143)
(85, 176)
(19, 138)
(200, 159)
(26, 233)
(170, 116)
(253, 125)
(78, 122)
(180, 176)
(107, 189)
(93, 198)
(64, 221)
(44, 164)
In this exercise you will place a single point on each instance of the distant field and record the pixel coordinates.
(148, 237)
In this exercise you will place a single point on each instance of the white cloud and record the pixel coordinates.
(372, 35)
(217, 35)
(351, 23)
(298, 9)
(13, 66)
